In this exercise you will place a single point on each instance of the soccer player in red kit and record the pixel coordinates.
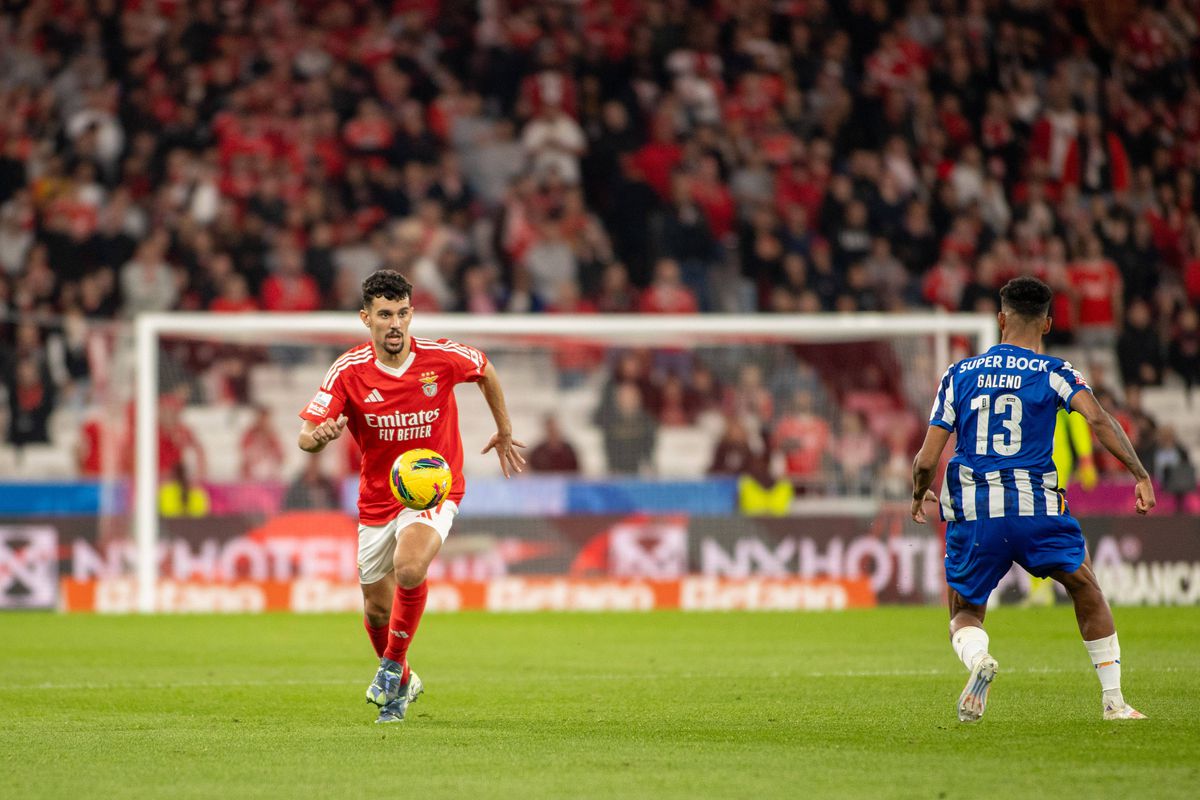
(395, 393)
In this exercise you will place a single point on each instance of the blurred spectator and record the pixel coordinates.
(178, 447)
(319, 260)
(632, 367)
(413, 248)
(736, 455)
(917, 245)
(554, 453)
(980, 294)
(886, 275)
(1144, 265)
(567, 300)
(523, 297)
(750, 400)
(16, 231)
(1171, 466)
(1134, 425)
(683, 236)
(550, 261)
(823, 279)
(676, 407)
(370, 131)
(1098, 287)
(67, 351)
(706, 391)
(1183, 353)
(629, 432)
(90, 447)
(791, 285)
(628, 218)
(311, 489)
(667, 294)
(31, 395)
(496, 159)
(554, 142)
(1191, 276)
(481, 292)
(713, 198)
(802, 437)
(148, 282)
(763, 251)
(854, 455)
(852, 236)
(860, 293)
(657, 159)
(1139, 350)
(262, 452)
(895, 473)
(234, 296)
(944, 284)
(994, 208)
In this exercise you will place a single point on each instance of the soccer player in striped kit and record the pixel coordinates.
(395, 393)
(1001, 497)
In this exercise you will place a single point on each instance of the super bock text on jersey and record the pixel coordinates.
(1002, 405)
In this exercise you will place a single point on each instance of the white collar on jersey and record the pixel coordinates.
(396, 372)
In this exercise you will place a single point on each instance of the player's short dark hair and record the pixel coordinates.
(1027, 297)
(385, 283)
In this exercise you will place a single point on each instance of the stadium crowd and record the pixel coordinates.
(602, 156)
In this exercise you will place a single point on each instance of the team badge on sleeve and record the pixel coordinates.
(319, 405)
(429, 383)
(1079, 381)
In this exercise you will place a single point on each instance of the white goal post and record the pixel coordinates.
(619, 329)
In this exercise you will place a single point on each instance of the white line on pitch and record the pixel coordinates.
(557, 678)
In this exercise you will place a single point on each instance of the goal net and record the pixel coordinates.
(660, 448)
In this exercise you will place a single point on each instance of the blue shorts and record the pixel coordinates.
(981, 552)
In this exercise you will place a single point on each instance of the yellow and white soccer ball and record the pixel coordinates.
(420, 479)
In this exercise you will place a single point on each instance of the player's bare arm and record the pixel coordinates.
(502, 440)
(313, 438)
(924, 465)
(1112, 436)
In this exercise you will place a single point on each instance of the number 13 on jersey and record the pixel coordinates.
(1004, 444)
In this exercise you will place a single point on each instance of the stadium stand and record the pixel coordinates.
(603, 155)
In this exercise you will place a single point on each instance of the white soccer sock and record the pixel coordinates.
(1106, 658)
(970, 643)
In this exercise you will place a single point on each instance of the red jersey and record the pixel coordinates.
(1097, 283)
(390, 411)
(803, 439)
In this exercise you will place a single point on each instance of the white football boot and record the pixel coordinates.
(973, 700)
(1114, 710)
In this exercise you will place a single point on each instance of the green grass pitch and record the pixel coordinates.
(663, 705)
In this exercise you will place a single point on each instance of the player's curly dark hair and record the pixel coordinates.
(1026, 296)
(385, 283)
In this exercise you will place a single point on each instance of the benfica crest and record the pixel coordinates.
(429, 381)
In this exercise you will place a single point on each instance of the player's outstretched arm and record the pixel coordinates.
(1112, 436)
(924, 466)
(502, 441)
(313, 438)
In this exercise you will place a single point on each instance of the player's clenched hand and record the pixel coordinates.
(918, 506)
(329, 430)
(505, 447)
(1144, 496)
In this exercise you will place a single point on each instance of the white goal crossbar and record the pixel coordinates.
(616, 328)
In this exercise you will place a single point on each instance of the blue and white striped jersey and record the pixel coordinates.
(1002, 405)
